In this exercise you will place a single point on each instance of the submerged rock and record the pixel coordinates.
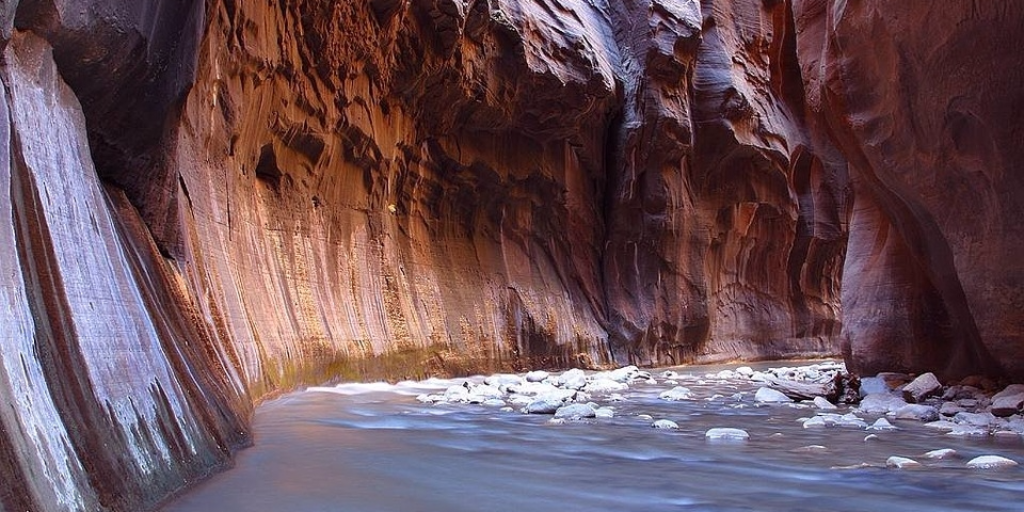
(573, 379)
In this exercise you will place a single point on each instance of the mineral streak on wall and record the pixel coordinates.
(209, 202)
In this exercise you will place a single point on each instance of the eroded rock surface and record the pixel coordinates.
(210, 202)
(924, 104)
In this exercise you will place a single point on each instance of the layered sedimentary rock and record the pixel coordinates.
(925, 105)
(210, 202)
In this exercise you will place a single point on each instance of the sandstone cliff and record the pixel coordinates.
(208, 202)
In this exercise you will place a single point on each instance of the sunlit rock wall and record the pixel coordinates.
(206, 203)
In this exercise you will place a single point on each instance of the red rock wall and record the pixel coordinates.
(925, 104)
(211, 202)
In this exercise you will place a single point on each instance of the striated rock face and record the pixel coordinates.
(925, 105)
(210, 202)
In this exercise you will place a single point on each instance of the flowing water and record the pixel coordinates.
(375, 448)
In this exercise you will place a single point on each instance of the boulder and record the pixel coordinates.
(922, 387)
(1008, 401)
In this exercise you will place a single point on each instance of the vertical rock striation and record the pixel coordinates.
(206, 203)
(925, 104)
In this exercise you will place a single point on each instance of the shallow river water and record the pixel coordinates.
(375, 448)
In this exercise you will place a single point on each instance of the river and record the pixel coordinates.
(375, 448)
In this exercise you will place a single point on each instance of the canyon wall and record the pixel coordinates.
(206, 203)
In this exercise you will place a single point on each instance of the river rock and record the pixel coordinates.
(901, 463)
(990, 462)
(941, 425)
(815, 422)
(950, 409)
(675, 394)
(982, 419)
(604, 386)
(542, 406)
(604, 412)
(873, 386)
(822, 403)
(665, 425)
(494, 402)
(1008, 401)
(622, 375)
(918, 412)
(884, 403)
(944, 453)
(483, 393)
(575, 411)
(745, 371)
(922, 387)
(966, 431)
(456, 394)
(537, 376)
(881, 424)
(769, 395)
(727, 434)
(503, 379)
(573, 379)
